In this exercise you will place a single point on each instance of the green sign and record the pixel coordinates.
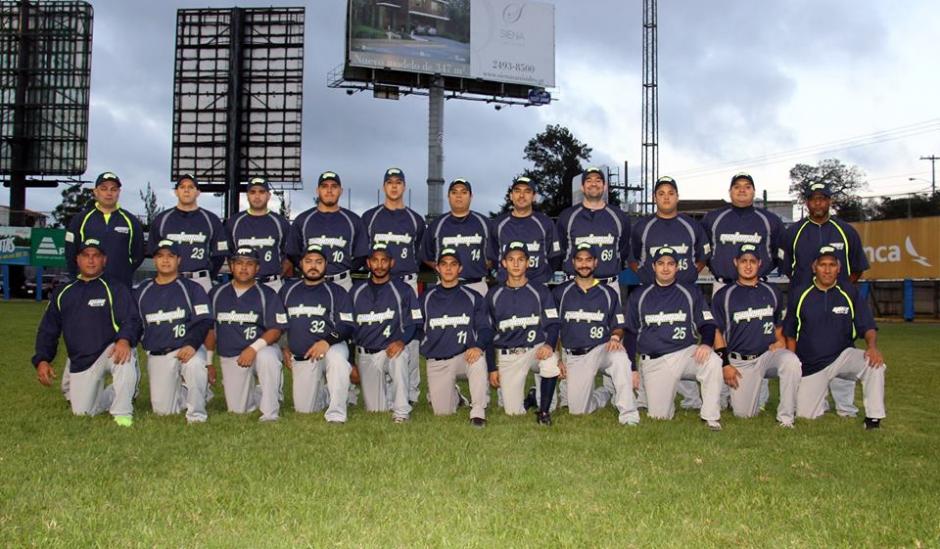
(47, 248)
(14, 245)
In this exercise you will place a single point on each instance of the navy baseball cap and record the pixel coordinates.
(742, 175)
(591, 170)
(448, 252)
(107, 176)
(167, 244)
(329, 176)
(585, 247)
(523, 180)
(747, 249)
(245, 252)
(90, 243)
(664, 251)
(827, 251)
(315, 248)
(821, 188)
(515, 246)
(666, 180)
(184, 177)
(259, 182)
(394, 172)
(460, 181)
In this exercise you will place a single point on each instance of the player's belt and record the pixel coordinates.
(471, 280)
(512, 350)
(409, 278)
(341, 276)
(739, 356)
(161, 352)
(652, 356)
(269, 278)
(608, 280)
(196, 274)
(367, 350)
(578, 352)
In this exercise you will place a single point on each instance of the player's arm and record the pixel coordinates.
(707, 328)
(47, 342)
(71, 244)
(137, 242)
(636, 247)
(129, 325)
(703, 247)
(730, 374)
(789, 326)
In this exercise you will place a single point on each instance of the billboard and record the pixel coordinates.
(901, 248)
(14, 245)
(47, 247)
(501, 41)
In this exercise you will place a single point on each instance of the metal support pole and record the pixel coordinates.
(436, 148)
(19, 145)
(234, 133)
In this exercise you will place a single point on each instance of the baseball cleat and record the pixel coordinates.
(544, 418)
(713, 425)
(786, 425)
(872, 423)
(478, 422)
(530, 400)
(124, 421)
(400, 420)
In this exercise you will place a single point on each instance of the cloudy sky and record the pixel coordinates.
(743, 85)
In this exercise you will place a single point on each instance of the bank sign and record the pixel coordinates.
(901, 248)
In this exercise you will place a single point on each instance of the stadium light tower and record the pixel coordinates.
(649, 163)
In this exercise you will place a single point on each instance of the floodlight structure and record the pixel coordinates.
(649, 161)
(238, 98)
(45, 75)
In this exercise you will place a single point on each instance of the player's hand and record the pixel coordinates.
(354, 374)
(121, 352)
(702, 353)
(543, 352)
(777, 345)
(288, 358)
(45, 373)
(636, 381)
(185, 353)
(395, 348)
(731, 375)
(472, 354)
(317, 350)
(210, 371)
(247, 357)
(875, 359)
(494, 379)
(563, 369)
(614, 345)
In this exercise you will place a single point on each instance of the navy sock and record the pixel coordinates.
(547, 389)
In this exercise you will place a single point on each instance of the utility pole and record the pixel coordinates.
(933, 172)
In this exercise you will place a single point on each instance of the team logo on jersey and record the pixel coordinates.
(416, 314)
(306, 310)
(346, 317)
(595, 240)
(446, 321)
(681, 249)
(751, 313)
(661, 318)
(392, 238)
(738, 238)
(162, 316)
(234, 317)
(841, 310)
(122, 230)
(97, 302)
(515, 322)
(256, 242)
(584, 316)
(183, 237)
(373, 317)
(461, 240)
(707, 315)
(330, 241)
(280, 318)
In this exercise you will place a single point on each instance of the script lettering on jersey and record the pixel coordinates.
(234, 317)
(162, 316)
(514, 322)
(661, 318)
(306, 310)
(392, 238)
(373, 317)
(187, 238)
(461, 240)
(330, 241)
(681, 249)
(840, 310)
(96, 302)
(445, 321)
(738, 238)
(753, 314)
(256, 242)
(595, 240)
(584, 316)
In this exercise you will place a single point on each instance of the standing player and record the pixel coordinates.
(535, 229)
(456, 330)
(592, 339)
(265, 231)
(320, 320)
(176, 319)
(401, 230)
(387, 317)
(749, 316)
(249, 318)
(670, 325)
(198, 232)
(100, 325)
(339, 231)
(824, 318)
(526, 322)
(466, 231)
(118, 231)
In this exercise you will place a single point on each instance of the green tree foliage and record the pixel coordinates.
(151, 207)
(845, 182)
(75, 199)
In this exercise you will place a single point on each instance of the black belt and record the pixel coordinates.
(445, 358)
(739, 356)
(579, 352)
(195, 274)
(368, 351)
(608, 280)
(652, 357)
(161, 352)
(338, 276)
(471, 280)
(269, 278)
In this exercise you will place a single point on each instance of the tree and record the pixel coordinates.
(912, 205)
(151, 207)
(285, 202)
(75, 200)
(845, 182)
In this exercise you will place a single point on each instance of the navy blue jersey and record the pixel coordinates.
(469, 235)
(172, 315)
(587, 317)
(267, 234)
(748, 316)
(384, 313)
(317, 312)
(802, 241)
(681, 233)
(606, 229)
(340, 233)
(522, 317)
(539, 234)
(729, 227)
(455, 320)
(401, 231)
(199, 234)
(90, 314)
(666, 319)
(825, 323)
(121, 236)
(241, 319)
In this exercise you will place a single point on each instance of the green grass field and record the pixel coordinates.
(70, 481)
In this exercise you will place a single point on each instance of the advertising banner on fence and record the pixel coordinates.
(47, 247)
(14, 245)
(901, 248)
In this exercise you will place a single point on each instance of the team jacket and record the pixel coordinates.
(587, 317)
(666, 319)
(90, 314)
(121, 236)
(384, 313)
(825, 323)
(265, 233)
(341, 234)
(200, 235)
(730, 227)
(538, 232)
(522, 317)
(469, 235)
(802, 241)
(402, 231)
(682, 233)
(240, 320)
(172, 315)
(314, 313)
(454, 320)
(607, 229)
(748, 316)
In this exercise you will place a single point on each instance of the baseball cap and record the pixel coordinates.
(591, 170)
(460, 181)
(818, 188)
(184, 177)
(742, 175)
(747, 249)
(247, 253)
(448, 252)
(394, 172)
(315, 248)
(107, 176)
(259, 182)
(665, 180)
(167, 244)
(90, 243)
(664, 251)
(585, 247)
(329, 176)
(523, 180)
(515, 246)
(827, 250)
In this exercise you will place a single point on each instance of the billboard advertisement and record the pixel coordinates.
(47, 247)
(901, 248)
(495, 40)
(14, 245)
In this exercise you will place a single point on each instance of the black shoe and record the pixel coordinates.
(872, 423)
(478, 422)
(530, 401)
(544, 418)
